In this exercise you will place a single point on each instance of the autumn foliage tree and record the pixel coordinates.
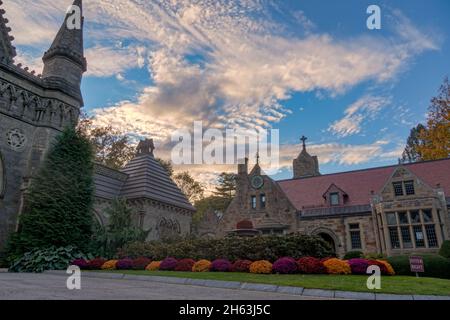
(436, 137)
(432, 141)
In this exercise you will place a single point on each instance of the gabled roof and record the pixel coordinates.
(358, 185)
(147, 179)
(7, 50)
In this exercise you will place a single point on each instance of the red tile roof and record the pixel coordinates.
(307, 192)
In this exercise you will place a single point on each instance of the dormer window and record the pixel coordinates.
(409, 187)
(403, 188)
(334, 198)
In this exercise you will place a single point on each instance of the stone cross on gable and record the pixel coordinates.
(146, 147)
(303, 139)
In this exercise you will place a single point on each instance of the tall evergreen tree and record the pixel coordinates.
(226, 187)
(58, 203)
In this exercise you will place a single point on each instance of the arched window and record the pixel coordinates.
(2, 176)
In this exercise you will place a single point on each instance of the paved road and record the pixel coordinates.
(49, 287)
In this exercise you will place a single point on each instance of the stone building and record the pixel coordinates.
(392, 210)
(158, 204)
(34, 109)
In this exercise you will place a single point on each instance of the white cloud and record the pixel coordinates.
(365, 108)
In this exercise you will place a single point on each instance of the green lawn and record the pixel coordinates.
(389, 284)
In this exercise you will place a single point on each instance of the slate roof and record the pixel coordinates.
(148, 179)
(108, 182)
(307, 193)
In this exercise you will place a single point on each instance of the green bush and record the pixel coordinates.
(232, 248)
(58, 204)
(353, 254)
(375, 256)
(52, 258)
(445, 249)
(435, 266)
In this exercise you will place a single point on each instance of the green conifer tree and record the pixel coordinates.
(58, 203)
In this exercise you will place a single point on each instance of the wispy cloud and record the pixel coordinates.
(364, 109)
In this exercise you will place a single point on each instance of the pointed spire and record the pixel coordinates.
(69, 40)
(7, 50)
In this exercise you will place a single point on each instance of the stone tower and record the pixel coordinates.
(34, 109)
(305, 165)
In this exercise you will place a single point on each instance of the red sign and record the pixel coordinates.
(416, 264)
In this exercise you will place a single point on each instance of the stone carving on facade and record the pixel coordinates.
(16, 139)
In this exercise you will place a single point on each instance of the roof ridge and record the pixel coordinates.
(366, 169)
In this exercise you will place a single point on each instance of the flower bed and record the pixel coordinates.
(153, 266)
(337, 266)
(241, 266)
(185, 265)
(201, 266)
(168, 264)
(261, 266)
(220, 265)
(285, 265)
(109, 265)
(311, 265)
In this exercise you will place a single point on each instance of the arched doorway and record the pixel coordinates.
(328, 239)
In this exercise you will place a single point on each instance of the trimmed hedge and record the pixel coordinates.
(232, 248)
(353, 254)
(435, 266)
(445, 249)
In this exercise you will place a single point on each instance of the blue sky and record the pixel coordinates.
(303, 67)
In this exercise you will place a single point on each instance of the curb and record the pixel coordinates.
(320, 293)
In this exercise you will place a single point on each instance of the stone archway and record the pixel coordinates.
(328, 236)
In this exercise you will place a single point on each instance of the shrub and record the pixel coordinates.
(285, 265)
(124, 264)
(81, 263)
(337, 266)
(96, 264)
(220, 265)
(358, 265)
(445, 249)
(168, 264)
(389, 269)
(58, 216)
(110, 265)
(39, 260)
(434, 265)
(201, 266)
(153, 266)
(264, 247)
(241, 266)
(375, 256)
(353, 254)
(140, 263)
(261, 266)
(310, 265)
(185, 265)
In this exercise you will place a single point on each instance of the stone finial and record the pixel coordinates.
(146, 147)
